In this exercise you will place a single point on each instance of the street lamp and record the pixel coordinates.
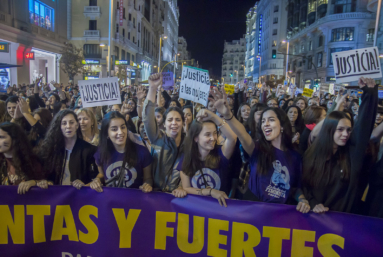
(377, 21)
(159, 54)
(287, 56)
(260, 65)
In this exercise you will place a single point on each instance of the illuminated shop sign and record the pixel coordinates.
(30, 55)
(4, 47)
(88, 61)
(122, 62)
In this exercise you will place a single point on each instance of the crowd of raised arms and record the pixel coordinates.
(319, 154)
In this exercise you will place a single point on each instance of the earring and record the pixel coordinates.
(281, 130)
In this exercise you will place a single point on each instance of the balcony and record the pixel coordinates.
(92, 12)
(92, 34)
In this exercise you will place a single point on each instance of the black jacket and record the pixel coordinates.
(82, 165)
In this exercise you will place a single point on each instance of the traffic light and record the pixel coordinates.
(231, 74)
(274, 54)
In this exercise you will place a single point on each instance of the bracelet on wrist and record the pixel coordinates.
(230, 118)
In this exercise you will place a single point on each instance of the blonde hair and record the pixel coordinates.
(92, 118)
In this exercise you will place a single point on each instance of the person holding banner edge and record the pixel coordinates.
(275, 169)
(167, 147)
(205, 166)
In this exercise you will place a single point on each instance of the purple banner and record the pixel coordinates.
(66, 222)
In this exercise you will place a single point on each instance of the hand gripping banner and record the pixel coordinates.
(66, 222)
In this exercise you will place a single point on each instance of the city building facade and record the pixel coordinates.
(233, 61)
(251, 28)
(270, 29)
(315, 30)
(183, 55)
(124, 42)
(32, 34)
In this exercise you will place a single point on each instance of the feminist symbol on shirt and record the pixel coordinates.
(212, 179)
(114, 170)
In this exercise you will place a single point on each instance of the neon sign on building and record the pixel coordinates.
(259, 34)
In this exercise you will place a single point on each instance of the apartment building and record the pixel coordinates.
(233, 61)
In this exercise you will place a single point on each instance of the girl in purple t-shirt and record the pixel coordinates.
(205, 165)
(119, 148)
(275, 169)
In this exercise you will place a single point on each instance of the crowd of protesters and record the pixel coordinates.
(260, 144)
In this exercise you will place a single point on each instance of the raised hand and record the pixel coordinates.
(18, 114)
(140, 93)
(205, 114)
(23, 106)
(221, 104)
(155, 80)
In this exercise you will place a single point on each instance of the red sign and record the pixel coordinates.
(121, 12)
(30, 55)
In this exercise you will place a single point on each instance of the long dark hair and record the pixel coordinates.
(33, 105)
(174, 109)
(299, 123)
(192, 162)
(315, 158)
(266, 155)
(52, 149)
(106, 146)
(239, 115)
(251, 121)
(23, 158)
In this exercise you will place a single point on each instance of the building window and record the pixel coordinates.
(274, 31)
(93, 25)
(122, 54)
(117, 52)
(320, 41)
(339, 49)
(128, 57)
(342, 34)
(275, 20)
(92, 51)
(133, 57)
(139, 27)
(274, 43)
(319, 59)
(41, 15)
(134, 22)
(138, 43)
(92, 2)
(370, 35)
(276, 8)
(310, 45)
(309, 62)
(129, 35)
(117, 27)
(130, 16)
(344, 6)
(302, 47)
(134, 40)
(123, 13)
(123, 32)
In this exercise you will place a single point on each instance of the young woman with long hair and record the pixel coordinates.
(288, 103)
(243, 113)
(294, 114)
(188, 114)
(159, 113)
(275, 168)
(205, 166)
(167, 146)
(120, 148)
(333, 165)
(67, 157)
(88, 125)
(18, 165)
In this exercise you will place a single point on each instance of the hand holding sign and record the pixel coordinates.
(366, 82)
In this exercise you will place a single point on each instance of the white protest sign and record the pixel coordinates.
(99, 92)
(351, 65)
(195, 85)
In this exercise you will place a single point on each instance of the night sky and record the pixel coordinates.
(206, 24)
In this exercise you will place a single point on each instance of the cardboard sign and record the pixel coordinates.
(99, 92)
(351, 65)
(229, 89)
(167, 80)
(307, 92)
(195, 85)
